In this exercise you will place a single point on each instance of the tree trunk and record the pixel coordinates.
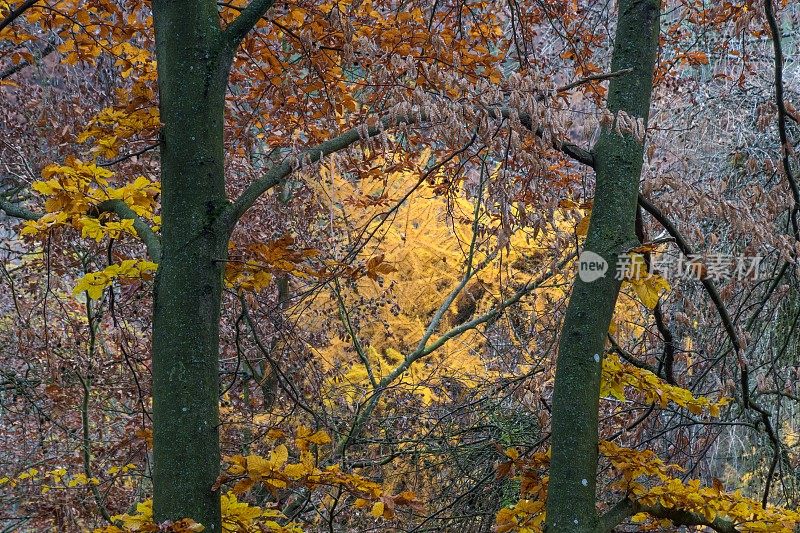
(571, 504)
(192, 84)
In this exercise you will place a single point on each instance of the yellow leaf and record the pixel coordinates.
(583, 226)
(320, 437)
(649, 289)
(93, 284)
(280, 455)
(295, 471)
(275, 434)
(187, 525)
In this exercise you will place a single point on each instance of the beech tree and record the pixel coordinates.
(618, 156)
(368, 214)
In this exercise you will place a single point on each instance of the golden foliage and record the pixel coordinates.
(94, 283)
(618, 375)
(74, 191)
(237, 517)
(644, 478)
(648, 286)
(420, 247)
(277, 472)
(647, 480)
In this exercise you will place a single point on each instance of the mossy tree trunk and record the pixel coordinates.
(194, 57)
(192, 82)
(571, 505)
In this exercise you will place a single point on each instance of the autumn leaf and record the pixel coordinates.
(582, 229)
(377, 509)
(649, 289)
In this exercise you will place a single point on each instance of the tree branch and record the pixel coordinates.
(594, 77)
(22, 8)
(623, 510)
(119, 207)
(234, 211)
(574, 151)
(615, 347)
(278, 173)
(13, 69)
(627, 508)
(711, 289)
(247, 19)
(125, 157)
(686, 249)
(668, 360)
(423, 350)
(345, 316)
(151, 241)
(787, 395)
(17, 211)
(87, 444)
(783, 114)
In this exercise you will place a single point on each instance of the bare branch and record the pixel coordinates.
(345, 316)
(486, 317)
(593, 77)
(125, 157)
(783, 114)
(619, 350)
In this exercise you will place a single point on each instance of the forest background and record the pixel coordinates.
(313, 265)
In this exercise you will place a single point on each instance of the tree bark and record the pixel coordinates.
(192, 78)
(618, 155)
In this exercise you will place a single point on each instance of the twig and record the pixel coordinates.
(351, 331)
(87, 443)
(128, 156)
(22, 8)
(782, 113)
(594, 77)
